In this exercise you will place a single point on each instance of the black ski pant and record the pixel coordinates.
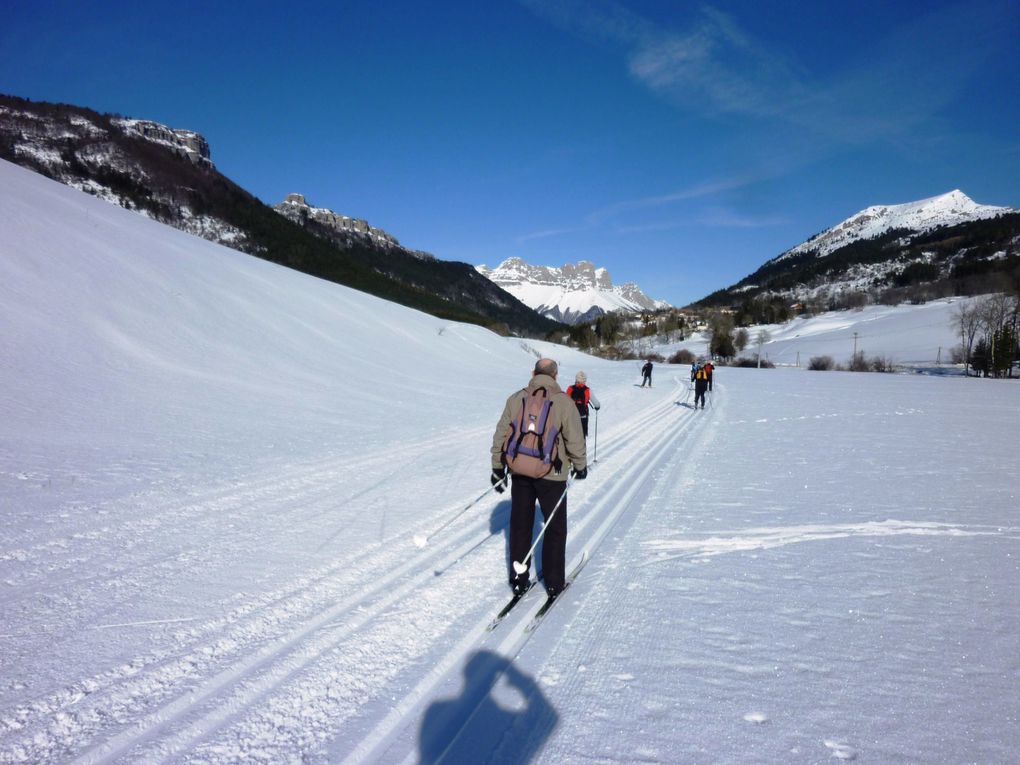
(524, 492)
(700, 386)
(646, 379)
(584, 423)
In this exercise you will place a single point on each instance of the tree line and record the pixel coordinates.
(988, 329)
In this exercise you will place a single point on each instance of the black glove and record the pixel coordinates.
(499, 479)
(579, 475)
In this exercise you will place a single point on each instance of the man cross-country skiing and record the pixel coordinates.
(700, 377)
(646, 374)
(539, 437)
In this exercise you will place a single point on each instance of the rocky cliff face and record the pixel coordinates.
(127, 162)
(573, 293)
(186, 143)
(297, 209)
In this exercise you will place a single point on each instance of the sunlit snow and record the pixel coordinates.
(213, 472)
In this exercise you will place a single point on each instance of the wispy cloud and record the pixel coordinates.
(716, 68)
(549, 233)
(728, 218)
(710, 65)
(712, 218)
(704, 189)
(717, 216)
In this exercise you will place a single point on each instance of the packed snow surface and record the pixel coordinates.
(213, 471)
(919, 336)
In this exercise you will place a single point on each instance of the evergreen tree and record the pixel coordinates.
(979, 357)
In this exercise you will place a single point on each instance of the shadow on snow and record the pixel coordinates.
(501, 716)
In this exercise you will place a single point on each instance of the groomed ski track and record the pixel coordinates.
(669, 426)
(275, 674)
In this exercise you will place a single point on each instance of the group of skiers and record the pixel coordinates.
(540, 440)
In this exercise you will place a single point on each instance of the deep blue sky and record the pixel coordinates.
(678, 144)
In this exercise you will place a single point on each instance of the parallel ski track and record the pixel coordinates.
(603, 513)
(259, 662)
(314, 480)
(88, 703)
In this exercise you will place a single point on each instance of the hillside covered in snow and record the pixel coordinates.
(950, 209)
(213, 470)
(939, 247)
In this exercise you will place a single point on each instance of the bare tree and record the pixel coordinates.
(994, 313)
(721, 341)
(967, 321)
(740, 340)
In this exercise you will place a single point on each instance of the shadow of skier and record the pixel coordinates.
(501, 716)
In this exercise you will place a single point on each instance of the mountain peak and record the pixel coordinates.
(573, 293)
(949, 209)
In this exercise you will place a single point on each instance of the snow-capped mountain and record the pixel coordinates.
(571, 294)
(949, 209)
(935, 247)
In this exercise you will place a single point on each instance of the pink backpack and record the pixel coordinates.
(530, 447)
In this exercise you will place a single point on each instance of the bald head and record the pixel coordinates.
(546, 367)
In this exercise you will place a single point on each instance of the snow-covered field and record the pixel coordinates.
(908, 336)
(213, 470)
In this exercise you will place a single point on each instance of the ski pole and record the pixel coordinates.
(595, 457)
(522, 567)
(420, 540)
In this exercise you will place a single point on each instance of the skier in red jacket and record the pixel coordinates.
(583, 398)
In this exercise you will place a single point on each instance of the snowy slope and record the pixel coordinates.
(907, 335)
(212, 471)
(948, 209)
(573, 293)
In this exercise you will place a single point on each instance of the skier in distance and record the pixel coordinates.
(700, 378)
(646, 374)
(582, 397)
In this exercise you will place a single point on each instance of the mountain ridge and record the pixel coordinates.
(574, 293)
(167, 174)
(935, 247)
(949, 209)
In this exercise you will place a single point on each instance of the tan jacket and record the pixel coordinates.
(563, 416)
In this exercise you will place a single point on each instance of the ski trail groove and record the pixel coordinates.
(628, 480)
(246, 666)
(89, 703)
